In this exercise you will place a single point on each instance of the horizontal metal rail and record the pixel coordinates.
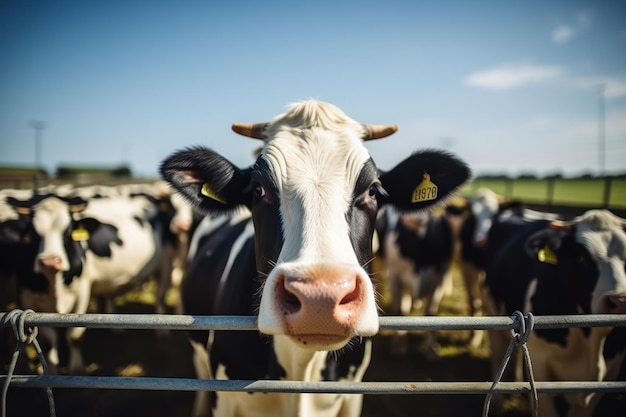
(187, 322)
(381, 388)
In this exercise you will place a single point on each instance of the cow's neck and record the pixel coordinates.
(299, 364)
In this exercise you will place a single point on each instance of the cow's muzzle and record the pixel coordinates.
(613, 304)
(49, 265)
(321, 306)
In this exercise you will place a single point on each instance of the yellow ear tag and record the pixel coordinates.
(425, 191)
(207, 192)
(80, 235)
(546, 255)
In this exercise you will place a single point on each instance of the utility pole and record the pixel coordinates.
(601, 131)
(39, 126)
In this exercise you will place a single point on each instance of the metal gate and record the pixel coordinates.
(25, 324)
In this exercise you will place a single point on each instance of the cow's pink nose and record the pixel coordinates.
(322, 307)
(51, 263)
(614, 304)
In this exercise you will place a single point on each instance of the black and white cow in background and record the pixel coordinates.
(102, 247)
(18, 245)
(560, 268)
(480, 211)
(417, 251)
(313, 194)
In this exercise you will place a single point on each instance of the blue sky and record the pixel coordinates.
(511, 87)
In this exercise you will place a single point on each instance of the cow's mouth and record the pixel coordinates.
(320, 341)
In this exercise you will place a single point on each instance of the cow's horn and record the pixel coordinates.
(561, 225)
(379, 131)
(251, 130)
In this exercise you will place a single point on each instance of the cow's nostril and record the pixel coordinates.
(353, 295)
(289, 301)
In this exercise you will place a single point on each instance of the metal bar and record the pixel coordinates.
(186, 322)
(190, 384)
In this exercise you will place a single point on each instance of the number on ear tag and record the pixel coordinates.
(208, 192)
(546, 255)
(425, 191)
(80, 235)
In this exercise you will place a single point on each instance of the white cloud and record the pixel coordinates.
(562, 34)
(508, 77)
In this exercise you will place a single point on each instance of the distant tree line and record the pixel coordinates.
(71, 171)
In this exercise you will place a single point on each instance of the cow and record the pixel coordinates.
(18, 246)
(479, 212)
(417, 251)
(551, 267)
(101, 247)
(177, 220)
(300, 264)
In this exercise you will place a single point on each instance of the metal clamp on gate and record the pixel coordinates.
(25, 336)
(521, 331)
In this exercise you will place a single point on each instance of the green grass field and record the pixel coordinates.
(578, 192)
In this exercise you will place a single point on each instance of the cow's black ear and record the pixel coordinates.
(543, 245)
(208, 180)
(424, 179)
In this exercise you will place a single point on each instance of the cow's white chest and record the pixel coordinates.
(299, 366)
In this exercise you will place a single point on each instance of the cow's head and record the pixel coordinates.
(60, 250)
(591, 252)
(314, 192)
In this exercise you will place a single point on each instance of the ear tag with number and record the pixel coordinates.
(80, 235)
(546, 255)
(208, 192)
(425, 191)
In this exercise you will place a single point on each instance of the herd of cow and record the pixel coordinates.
(291, 239)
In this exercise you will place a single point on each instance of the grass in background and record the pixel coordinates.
(576, 192)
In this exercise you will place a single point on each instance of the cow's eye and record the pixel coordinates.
(259, 191)
(375, 190)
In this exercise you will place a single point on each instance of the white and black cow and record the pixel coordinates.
(559, 268)
(417, 251)
(101, 247)
(300, 263)
(176, 220)
(483, 209)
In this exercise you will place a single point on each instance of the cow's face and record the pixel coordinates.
(484, 206)
(602, 235)
(314, 193)
(62, 240)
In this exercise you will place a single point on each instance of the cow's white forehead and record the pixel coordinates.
(51, 213)
(601, 233)
(315, 154)
(314, 143)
